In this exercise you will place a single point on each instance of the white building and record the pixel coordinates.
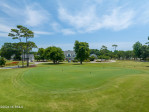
(69, 55)
(31, 57)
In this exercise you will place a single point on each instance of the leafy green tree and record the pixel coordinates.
(2, 61)
(128, 55)
(144, 52)
(41, 54)
(137, 49)
(104, 50)
(95, 51)
(121, 55)
(92, 58)
(55, 54)
(147, 42)
(18, 34)
(27, 34)
(7, 50)
(82, 51)
(115, 46)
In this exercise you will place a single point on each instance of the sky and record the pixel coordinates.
(61, 22)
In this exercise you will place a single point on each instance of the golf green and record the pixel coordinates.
(71, 78)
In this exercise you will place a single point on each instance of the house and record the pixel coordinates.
(69, 55)
(31, 57)
(94, 56)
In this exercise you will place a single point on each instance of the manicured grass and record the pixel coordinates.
(103, 87)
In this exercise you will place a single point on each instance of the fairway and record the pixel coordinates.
(100, 87)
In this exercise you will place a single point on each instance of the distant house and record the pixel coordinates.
(94, 56)
(31, 57)
(69, 55)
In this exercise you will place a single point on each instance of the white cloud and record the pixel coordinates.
(42, 33)
(88, 20)
(56, 26)
(4, 28)
(3, 34)
(67, 32)
(119, 19)
(35, 15)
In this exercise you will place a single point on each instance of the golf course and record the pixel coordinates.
(122, 86)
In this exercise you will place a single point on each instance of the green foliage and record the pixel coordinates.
(115, 46)
(82, 51)
(92, 58)
(137, 49)
(8, 49)
(23, 32)
(104, 57)
(54, 53)
(95, 51)
(41, 54)
(75, 60)
(144, 52)
(104, 50)
(87, 60)
(2, 61)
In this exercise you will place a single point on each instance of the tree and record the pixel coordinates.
(55, 54)
(2, 61)
(82, 50)
(31, 45)
(115, 46)
(18, 34)
(144, 52)
(41, 54)
(94, 51)
(27, 34)
(147, 42)
(104, 50)
(7, 50)
(137, 49)
(92, 58)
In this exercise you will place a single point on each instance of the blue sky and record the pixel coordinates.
(61, 22)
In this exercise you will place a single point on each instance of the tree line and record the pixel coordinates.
(56, 54)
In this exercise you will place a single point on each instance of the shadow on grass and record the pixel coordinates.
(147, 66)
(52, 63)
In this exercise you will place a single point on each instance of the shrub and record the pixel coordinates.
(12, 63)
(104, 57)
(92, 58)
(2, 61)
(75, 60)
(86, 60)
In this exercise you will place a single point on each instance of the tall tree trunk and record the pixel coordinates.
(27, 53)
(22, 59)
(80, 62)
(22, 54)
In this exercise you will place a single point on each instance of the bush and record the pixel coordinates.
(98, 61)
(75, 60)
(104, 57)
(92, 58)
(86, 60)
(2, 61)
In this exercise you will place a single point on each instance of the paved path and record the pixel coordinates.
(36, 63)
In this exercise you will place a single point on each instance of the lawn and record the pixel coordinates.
(102, 87)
